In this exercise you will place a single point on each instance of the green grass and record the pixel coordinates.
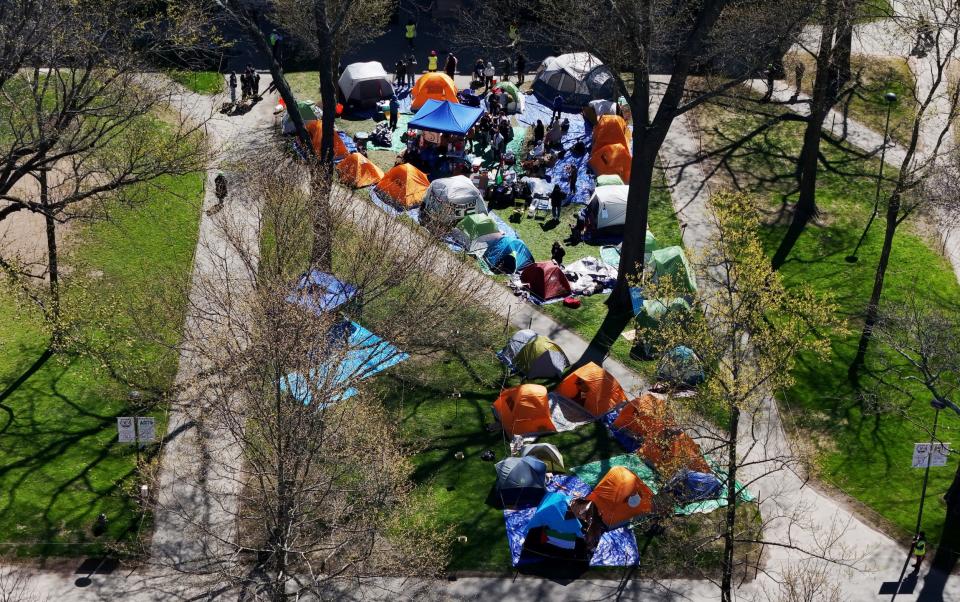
(60, 465)
(422, 395)
(865, 454)
(201, 82)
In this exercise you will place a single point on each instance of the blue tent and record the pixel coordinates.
(321, 292)
(508, 255)
(521, 482)
(689, 486)
(681, 366)
(445, 117)
(367, 354)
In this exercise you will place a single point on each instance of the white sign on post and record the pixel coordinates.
(126, 429)
(937, 454)
(146, 429)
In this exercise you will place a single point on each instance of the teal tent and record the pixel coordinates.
(671, 261)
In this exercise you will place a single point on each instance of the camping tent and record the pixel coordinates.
(476, 231)
(606, 212)
(315, 129)
(609, 180)
(521, 482)
(449, 200)
(597, 108)
(507, 255)
(551, 535)
(403, 185)
(445, 117)
(546, 453)
(516, 96)
(546, 280)
(436, 86)
(592, 387)
(681, 366)
(578, 77)
(621, 496)
(690, 486)
(524, 410)
(612, 159)
(671, 451)
(358, 171)
(671, 261)
(611, 129)
(652, 311)
(364, 84)
(308, 112)
(320, 292)
(533, 355)
(646, 416)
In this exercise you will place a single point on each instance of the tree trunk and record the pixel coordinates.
(730, 522)
(328, 90)
(53, 261)
(635, 226)
(833, 73)
(873, 306)
(321, 250)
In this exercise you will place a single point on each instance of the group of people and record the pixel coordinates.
(494, 131)
(249, 84)
(485, 73)
(405, 71)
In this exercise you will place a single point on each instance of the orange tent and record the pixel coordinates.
(621, 495)
(646, 416)
(668, 454)
(524, 410)
(404, 185)
(315, 129)
(358, 171)
(610, 129)
(436, 85)
(612, 159)
(592, 387)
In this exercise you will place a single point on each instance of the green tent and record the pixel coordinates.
(650, 245)
(671, 261)
(510, 89)
(609, 180)
(476, 225)
(539, 357)
(655, 309)
(307, 110)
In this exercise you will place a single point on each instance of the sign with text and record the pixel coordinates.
(936, 454)
(146, 429)
(126, 429)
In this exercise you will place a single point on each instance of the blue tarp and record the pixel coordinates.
(445, 117)
(367, 355)
(616, 548)
(689, 486)
(321, 292)
(499, 251)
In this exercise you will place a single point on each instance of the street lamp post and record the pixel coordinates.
(891, 99)
(937, 404)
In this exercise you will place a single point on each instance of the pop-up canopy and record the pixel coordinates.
(445, 117)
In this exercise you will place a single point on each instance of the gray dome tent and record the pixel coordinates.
(533, 355)
(578, 77)
(546, 453)
(365, 84)
(521, 482)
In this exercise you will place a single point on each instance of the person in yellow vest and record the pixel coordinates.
(411, 32)
(432, 61)
(514, 34)
(919, 550)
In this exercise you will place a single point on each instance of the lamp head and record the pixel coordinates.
(890, 97)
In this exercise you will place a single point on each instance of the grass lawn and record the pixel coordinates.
(201, 82)
(440, 424)
(60, 465)
(865, 454)
(878, 76)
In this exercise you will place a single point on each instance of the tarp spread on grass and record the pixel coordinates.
(367, 355)
(320, 292)
(616, 548)
(579, 131)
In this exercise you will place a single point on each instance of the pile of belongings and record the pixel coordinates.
(590, 275)
(382, 136)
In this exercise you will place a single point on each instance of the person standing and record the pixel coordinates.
(232, 82)
(493, 104)
(497, 145)
(244, 86)
(557, 252)
(412, 70)
(507, 68)
(411, 33)
(572, 180)
(432, 61)
(556, 201)
(394, 112)
(488, 73)
(919, 550)
(400, 72)
(538, 132)
(771, 77)
(275, 42)
(255, 83)
(478, 71)
(798, 70)
(220, 191)
(557, 108)
(450, 66)
(521, 68)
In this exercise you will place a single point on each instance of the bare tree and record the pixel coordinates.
(747, 330)
(83, 122)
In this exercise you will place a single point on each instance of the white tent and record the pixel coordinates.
(578, 77)
(608, 206)
(450, 199)
(365, 83)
